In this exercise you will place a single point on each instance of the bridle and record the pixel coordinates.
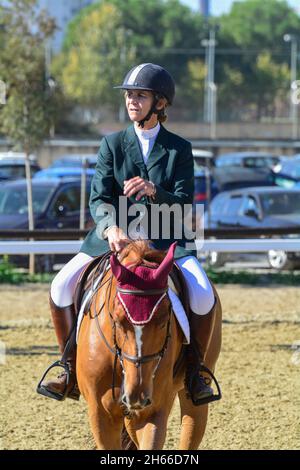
(116, 350)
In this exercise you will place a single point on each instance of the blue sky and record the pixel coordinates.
(223, 6)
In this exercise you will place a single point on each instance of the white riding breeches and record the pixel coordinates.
(201, 294)
(64, 284)
(200, 291)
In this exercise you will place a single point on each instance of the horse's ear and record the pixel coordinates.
(121, 273)
(165, 267)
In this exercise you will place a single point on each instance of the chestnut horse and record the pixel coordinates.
(128, 345)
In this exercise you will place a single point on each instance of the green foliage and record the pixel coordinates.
(257, 76)
(109, 37)
(257, 24)
(28, 113)
(92, 65)
(10, 275)
(246, 278)
(193, 92)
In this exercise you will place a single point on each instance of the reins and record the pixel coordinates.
(118, 353)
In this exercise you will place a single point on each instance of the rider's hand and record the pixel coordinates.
(116, 238)
(140, 186)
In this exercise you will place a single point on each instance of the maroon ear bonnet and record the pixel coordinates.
(141, 308)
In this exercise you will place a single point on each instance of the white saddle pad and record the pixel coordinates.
(180, 314)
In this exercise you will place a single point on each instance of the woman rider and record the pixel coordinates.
(145, 164)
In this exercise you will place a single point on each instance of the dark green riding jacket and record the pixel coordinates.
(170, 166)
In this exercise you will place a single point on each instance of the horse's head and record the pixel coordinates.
(141, 316)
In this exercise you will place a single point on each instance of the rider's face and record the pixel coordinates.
(138, 103)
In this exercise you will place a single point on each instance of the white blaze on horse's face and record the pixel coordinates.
(138, 338)
(137, 380)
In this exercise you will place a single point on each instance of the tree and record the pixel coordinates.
(97, 58)
(255, 24)
(111, 36)
(26, 117)
(193, 91)
(255, 75)
(271, 82)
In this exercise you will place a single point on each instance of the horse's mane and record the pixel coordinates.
(143, 252)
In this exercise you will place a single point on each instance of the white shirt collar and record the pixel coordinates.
(147, 133)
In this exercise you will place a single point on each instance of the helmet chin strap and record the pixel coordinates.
(153, 110)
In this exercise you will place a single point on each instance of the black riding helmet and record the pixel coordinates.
(153, 78)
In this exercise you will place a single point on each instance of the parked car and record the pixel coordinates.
(75, 160)
(287, 174)
(63, 172)
(257, 207)
(20, 155)
(56, 205)
(232, 177)
(12, 165)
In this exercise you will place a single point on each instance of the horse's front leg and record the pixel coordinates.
(193, 423)
(151, 431)
(106, 428)
(151, 434)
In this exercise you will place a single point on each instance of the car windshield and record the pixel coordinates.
(280, 203)
(66, 163)
(12, 171)
(14, 200)
(228, 160)
(260, 162)
(73, 163)
(247, 162)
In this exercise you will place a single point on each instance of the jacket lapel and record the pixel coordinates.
(159, 150)
(132, 149)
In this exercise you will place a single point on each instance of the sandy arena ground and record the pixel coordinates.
(258, 370)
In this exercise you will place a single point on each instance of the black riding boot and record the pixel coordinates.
(63, 320)
(201, 329)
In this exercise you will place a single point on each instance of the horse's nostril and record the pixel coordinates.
(123, 400)
(147, 402)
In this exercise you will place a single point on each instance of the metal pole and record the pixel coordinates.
(205, 43)
(213, 110)
(293, 105)
(83, 194)
(294, 108)
(211, 70)
(30, 208)
(210, 75)
(208, 190)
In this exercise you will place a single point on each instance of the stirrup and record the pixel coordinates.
(204, 401)
(42, 390)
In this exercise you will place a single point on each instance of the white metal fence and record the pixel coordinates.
(253, 245)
